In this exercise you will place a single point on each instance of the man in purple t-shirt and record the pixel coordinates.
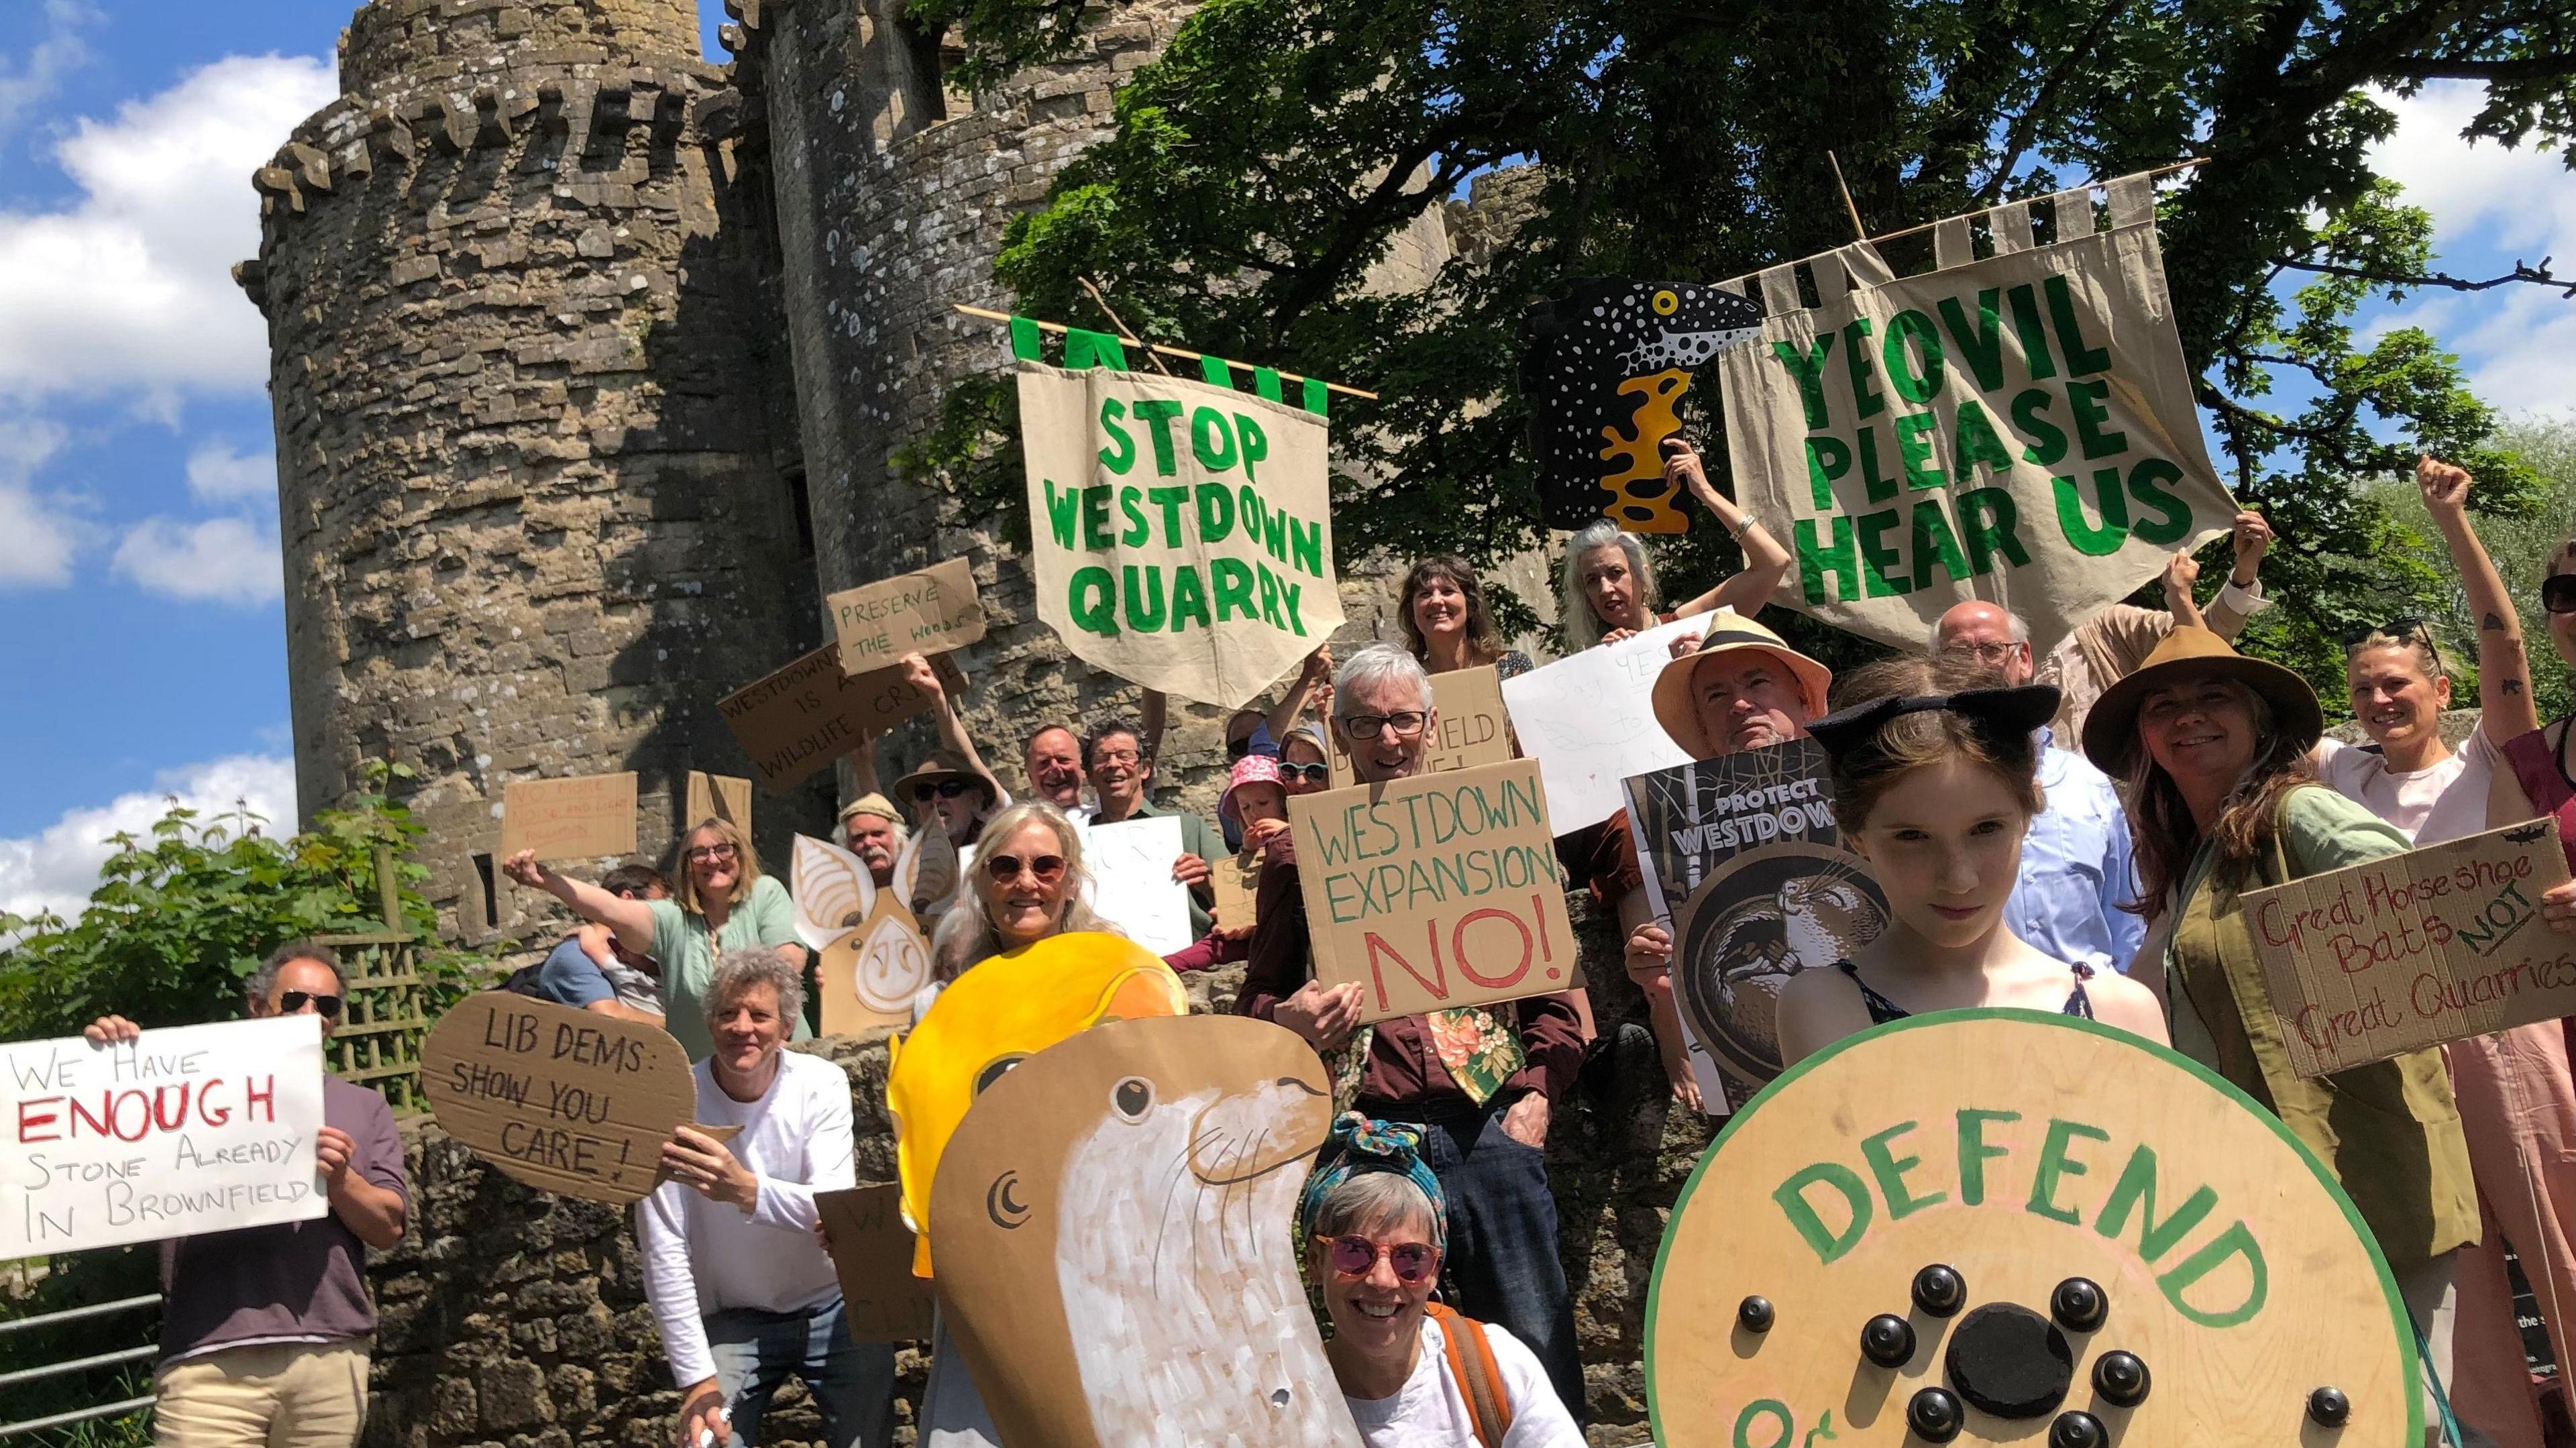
(265, 1330)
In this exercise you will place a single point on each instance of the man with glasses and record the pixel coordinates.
(2076, 870)
(1482, 1082)
(265, 1331)
(1122, 773)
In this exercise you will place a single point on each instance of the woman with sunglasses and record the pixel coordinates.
(1027, 884)
(1302, 766)
(1446, 624)
(1374, 1222)
(722, 902)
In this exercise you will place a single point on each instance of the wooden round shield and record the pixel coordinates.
(1964, 1227)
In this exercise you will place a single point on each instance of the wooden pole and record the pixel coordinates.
(989, 315)
(1859, 232)
(1115, 320)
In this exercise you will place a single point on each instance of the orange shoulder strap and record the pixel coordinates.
(1479, 1377)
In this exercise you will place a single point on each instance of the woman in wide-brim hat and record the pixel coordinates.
(2224, 799)
(948, 791)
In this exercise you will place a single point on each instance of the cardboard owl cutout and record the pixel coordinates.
(1603, 372)
(870, 958)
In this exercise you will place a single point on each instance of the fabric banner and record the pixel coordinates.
(2019, 429)
(1182, 533)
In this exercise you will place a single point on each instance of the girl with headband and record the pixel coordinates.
(1414, 1373)
(1935, 782)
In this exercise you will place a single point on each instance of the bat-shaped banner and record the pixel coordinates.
(1603, 371)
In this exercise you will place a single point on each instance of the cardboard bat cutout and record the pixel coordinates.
(870, 958)
(1603, 375)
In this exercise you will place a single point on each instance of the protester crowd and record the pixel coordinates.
(2070, 833)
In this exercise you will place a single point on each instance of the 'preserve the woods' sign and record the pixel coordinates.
(180, 1131)
(2019, 429)
(1182, 533)
(2434, 945)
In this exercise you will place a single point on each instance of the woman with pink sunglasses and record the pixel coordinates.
(1413, 1373)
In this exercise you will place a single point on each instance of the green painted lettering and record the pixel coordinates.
(1866, 401)
(1826, 1243)
(1256, 444)
(2088, 401)
(2080, 359)
(1912, 384)
(1809, 368)
(1914, 450)
(1131, 503)
(2055, 1165)
(2047, 444)
(1879, 487)
(1169, 499)
(2033, 336)
(1816, 560)
(1091, 598)
(1877, 560)
(1095, 517)
(1983, 348)
(1828, 458)
(1991, 521)
(1211, 441)
(1189, 599)
(1144, 595)
(1061, 508)
(1889, 1170)
(2234, 1242)
(1934, 542)
(2136, 1191)
(1974, 1153)
(2089, 540)
(1157, 413)
(1233, 580)
(2147, 482)
(1973, 440)
(1216, 512)
(1122, 456)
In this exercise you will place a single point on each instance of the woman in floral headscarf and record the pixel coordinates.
(1415, 1374)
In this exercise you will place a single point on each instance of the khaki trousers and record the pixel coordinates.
(273, 1395)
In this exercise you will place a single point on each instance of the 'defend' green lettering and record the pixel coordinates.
(1828, 458)
(1973, 1151)
(2236, 1242)
(2055, 1165)
(1816, 559)
(1092, 601)
(1122, 456)
(1890, 1169)
(1157, 413)
(2136, 1191)
(1842, 1181)
(1809, 368)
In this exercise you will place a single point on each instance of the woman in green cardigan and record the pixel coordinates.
(2214, 748)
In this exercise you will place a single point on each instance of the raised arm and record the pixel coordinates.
(1318, 670)
(631, 919)
(2243, 596)
(2181, 572)
(1765, 561)
(863, 762)
(952, 730)
(2505, 707)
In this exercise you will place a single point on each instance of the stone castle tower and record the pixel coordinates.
(589, 359)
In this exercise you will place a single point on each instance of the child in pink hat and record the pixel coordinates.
(1256, 802)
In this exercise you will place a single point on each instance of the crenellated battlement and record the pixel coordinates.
(389, 39)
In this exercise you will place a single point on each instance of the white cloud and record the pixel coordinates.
(218, 474)
(220, 560)
(29, 83)
(37, 539)
(129, 290)
(58, 867)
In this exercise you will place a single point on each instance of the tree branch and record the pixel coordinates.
(2537, 275)
(2017, 138)
(2538, 67)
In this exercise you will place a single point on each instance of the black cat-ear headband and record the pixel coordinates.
(2018, 710)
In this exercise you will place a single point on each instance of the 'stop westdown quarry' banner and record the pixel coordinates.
(2019, 429)
(1183, 533)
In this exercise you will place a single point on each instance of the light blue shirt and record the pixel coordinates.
(2076, 868)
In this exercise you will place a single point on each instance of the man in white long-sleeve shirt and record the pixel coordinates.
(733, 1265)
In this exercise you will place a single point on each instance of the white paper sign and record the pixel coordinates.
(1132, 884)
(1589, 721)
(179, 1132)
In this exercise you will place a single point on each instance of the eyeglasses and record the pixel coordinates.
(2558, 593)
(710, 852)
(1045, 869)
(291, 1001)
(1100, 757)
(1367, 726)
(1985, 653)
(1414, 1263)
(1306, 773)
(928, 789)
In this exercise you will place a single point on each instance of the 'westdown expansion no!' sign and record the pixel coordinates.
(1183, 533)
(177, 1132)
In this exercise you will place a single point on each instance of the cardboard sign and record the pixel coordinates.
(1238, 885)
(1131, 880)
(872, 1251)
(1181, 534)
(569, 819)
(1589, 721)
(1604, 371)
(1435, 891)
(2434, 945)
(2020, 1150)
(2020, 429)
(720, 797)
(1116, 1260)
(927, 612)
(1474, 728)
(181, 1131)
(567, 1101)
(870, 958)
(808, 714)
(1746, 867)
(1011, 1006)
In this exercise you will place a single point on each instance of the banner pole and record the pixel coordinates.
(1859, 232)
(989, 315)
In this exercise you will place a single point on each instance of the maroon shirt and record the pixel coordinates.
(1403, 1070)
(287, 1279)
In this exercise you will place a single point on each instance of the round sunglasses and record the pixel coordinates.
(1045, 869)
(1413, 1263)
(1306, 773)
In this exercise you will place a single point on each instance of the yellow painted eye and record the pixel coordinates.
(1666, 304)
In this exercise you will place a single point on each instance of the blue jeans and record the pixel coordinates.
(1502, 1263)
(852, 1384)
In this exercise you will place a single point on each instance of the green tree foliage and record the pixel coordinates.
(184, 912)
(1279, 146)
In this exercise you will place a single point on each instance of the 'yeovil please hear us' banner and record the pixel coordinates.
(2019, 429)
(1182, 532)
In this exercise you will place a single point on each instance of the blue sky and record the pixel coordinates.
(141, 633)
